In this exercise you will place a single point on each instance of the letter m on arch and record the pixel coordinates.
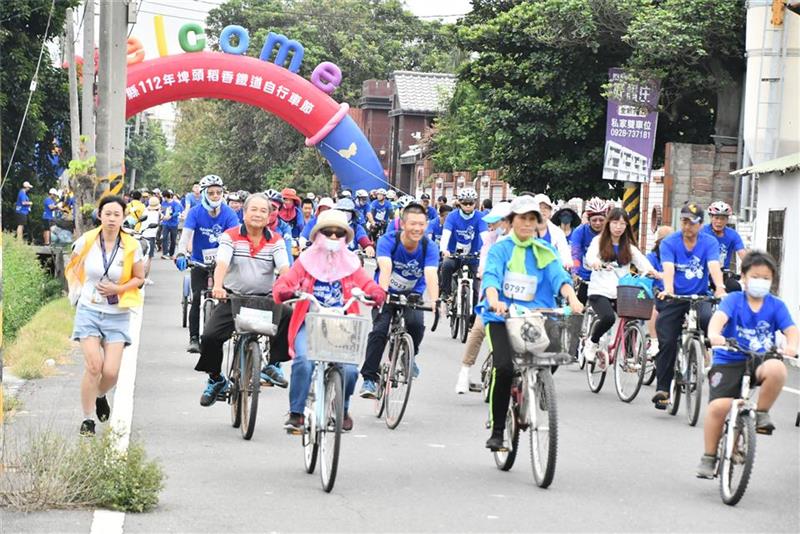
(285, 45)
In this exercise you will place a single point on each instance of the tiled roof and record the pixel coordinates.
(423, 92)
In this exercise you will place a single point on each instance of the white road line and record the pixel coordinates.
(107, 521)
(791, 390)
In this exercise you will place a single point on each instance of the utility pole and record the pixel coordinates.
(74, 121)
(87, 113)
(112, 76)
(135, 133)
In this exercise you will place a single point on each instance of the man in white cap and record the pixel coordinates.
(49, 213)
(23, 208)
(551, 233)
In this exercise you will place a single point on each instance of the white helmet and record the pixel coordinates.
(404, 201)
(362, 193)
(391, 195)
(468, 193)
(381, 191)
(596, 206)
(719, 208)
(209, 180)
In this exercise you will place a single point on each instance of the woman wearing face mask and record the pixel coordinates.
(329, 271)
(104, 273)
(752, 317)
(609, 257)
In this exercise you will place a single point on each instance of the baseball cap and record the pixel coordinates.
(499, 211)
(693, 212)
(27, 184)
(541, 198)
(524, 204)
(53, 191)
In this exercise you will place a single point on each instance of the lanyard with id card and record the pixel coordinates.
(97, 298)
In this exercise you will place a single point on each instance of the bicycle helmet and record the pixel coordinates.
(243, 195)
(381, 191)
(719, 208)
(345, 204)
(362, 193)
(391, 195)
(596, 206)
(234, 197)
(346, 193)
(468, 194)
(209, 180)
(404, 201)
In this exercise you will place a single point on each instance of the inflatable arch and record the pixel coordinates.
(304, 105)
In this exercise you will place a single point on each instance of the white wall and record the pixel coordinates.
(776, 191)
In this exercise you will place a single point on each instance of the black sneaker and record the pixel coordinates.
(194, 346)
(87, 428)
(102, 409)
(295, 423)
(495, 443)
(764, 423)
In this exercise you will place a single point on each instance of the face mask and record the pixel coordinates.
(465, 216)
(333, 246)
(209, 204)
(758, 288)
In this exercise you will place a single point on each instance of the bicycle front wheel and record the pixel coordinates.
(466, 310)
(250, 386)
(330, 428)
(543, 426)
(310, 441)
(234, 393)
(629, 362)
(676, 386)
(486, 377)
(594, 376)
(734, 472)
(398, 382)
(694, 381)
(504, 459)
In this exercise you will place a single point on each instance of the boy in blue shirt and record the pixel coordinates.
(436, 225)
(688, 257)
(49, 214)
(407, 264)
(171, 209)
(380, 210)
(22, 207)
(463, 233)
(751, 317)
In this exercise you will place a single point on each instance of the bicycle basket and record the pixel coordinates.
(564, 332)
(337, 338)
(633, 302)
(253, 314)
(527, 333)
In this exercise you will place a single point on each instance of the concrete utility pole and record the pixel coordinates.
(87, 108)
(135, 133)
(69, 52)
(112, 75)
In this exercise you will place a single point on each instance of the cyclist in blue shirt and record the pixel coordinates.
(752, 317)
(362, 206)
(430, 211)
(50, 213)
(688, 257)
(22, 207)
(360, 237)
(524, 271)
(464, 232)
(235, 202)
(199, 240)
(436, 225)
(171, 210)
(654, 257)
(407, 264)
(595, 211)
(729, 241)
(380, 210)
(191, 199)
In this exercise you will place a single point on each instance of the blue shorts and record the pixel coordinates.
(109, 327)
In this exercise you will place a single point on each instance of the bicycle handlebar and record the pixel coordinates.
(733, 345)
(302, 295)
(693, 298)
(405, 301)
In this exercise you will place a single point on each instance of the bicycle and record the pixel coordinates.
(736, 451)
(533, 400)
(334, 339)
(208, 303)
(377, 229)
(397, 370)
(459, 308)
(689, 361)
(254, 326)
(186, 299)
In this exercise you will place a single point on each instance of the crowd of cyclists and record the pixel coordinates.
(528, 252)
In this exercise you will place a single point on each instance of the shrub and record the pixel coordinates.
(24, 283)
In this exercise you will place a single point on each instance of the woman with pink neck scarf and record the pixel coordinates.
(329, 271)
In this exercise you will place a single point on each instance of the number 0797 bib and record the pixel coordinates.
(519, 286)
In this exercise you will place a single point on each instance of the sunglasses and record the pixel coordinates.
(467, 203)
(333, 232)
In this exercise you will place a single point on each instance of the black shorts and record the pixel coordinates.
(725, 381)
(21, 219)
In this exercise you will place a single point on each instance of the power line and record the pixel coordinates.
(30, 92)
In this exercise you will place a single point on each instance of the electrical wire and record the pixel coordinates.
(34, 80)
(136, 16)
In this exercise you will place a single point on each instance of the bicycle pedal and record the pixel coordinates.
(475, 388)
(765, 431)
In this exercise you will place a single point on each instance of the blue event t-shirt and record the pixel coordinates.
(381, 211)
(329, 293)
(362, 212)
(432, 213)
(579, 242)
(177, 208)
(49, 209)
(434, 230)
(189, 201)
(730, 241)
(22, 209)
(207, 229)
(654, 260)
(691, 267)
(465, 235)
(752, 330)
(408, 268)
(358, 233)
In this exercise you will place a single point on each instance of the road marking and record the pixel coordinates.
(359, 435)
(436, 445)
(107, 521)
(791, 390)
(492, 517)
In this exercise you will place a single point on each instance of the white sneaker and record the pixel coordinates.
(590, 351)
(652, 350)
(462, 386)
(148, 282)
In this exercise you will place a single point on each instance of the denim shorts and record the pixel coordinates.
(109, 327)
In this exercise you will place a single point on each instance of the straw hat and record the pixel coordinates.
(332, 219)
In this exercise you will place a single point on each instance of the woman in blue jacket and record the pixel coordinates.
(525, 271)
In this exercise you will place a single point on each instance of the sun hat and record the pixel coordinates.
(524, 204)
(332, 219)
(500, 211)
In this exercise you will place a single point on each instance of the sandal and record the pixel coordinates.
(661, 400)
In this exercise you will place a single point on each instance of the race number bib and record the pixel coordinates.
(519, 286)
(399, 283)
(380, 215)
(209, 255)
(463, 248)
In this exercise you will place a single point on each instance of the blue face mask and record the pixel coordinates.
(209, 204)
(465, 216)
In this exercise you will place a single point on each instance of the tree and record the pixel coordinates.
(541, 67)
(146, 152)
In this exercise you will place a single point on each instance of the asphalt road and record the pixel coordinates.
(621, 467)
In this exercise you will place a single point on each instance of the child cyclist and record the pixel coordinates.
(752, 317)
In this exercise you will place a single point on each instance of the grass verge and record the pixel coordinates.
(51, 471)
(44, 337)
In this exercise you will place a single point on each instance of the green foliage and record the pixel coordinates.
(462, 139)
(25, 285)
(45, 336)
(146, 153)
(540, 68)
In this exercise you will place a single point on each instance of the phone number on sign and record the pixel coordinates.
(632, 134)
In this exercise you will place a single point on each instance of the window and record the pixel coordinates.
(775, 240)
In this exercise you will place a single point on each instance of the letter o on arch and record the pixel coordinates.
(225, 40)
